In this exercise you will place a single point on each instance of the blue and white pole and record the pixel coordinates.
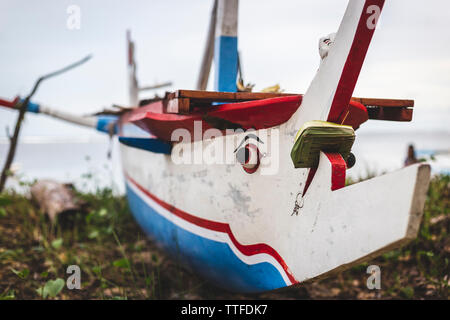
(226, 50)
(106, 123)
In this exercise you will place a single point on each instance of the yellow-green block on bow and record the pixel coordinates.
(315, 136)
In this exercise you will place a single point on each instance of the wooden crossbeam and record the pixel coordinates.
(184, 101)
(390, 113)
(211, 96)
(386, 103)
(388, 109)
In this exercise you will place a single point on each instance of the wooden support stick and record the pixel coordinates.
(22, 109)
(205, 68)
(156, 86)
(13, 143)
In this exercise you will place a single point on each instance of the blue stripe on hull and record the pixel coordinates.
(149, 144)
(211, 259)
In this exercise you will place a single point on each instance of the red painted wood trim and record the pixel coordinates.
(338, 172)
(355, 116)
(338, 169)
(311, 174)
(259, 114)
(247, 250)
(354, 63)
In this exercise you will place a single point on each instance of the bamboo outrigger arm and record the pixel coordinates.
(133, 84)
(104, 124)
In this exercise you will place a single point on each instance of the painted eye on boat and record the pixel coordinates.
(249, 157)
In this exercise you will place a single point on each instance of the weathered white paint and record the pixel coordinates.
(210, 234)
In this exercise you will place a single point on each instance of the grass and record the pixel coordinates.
(117, 260)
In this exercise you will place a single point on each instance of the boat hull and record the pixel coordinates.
(238, 229)
(253, 229)
(204, 249)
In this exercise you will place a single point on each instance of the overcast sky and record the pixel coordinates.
(409, 56)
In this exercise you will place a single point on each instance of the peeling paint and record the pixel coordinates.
(200, 174)
(241, 201)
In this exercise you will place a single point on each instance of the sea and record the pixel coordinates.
(94, 163)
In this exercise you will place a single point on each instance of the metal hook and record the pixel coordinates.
(298, 205)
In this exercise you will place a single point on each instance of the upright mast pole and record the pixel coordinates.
(226, 49)
(133, 88)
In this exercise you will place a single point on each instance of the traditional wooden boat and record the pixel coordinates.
(264, 215)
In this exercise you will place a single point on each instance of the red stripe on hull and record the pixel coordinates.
(247, 250)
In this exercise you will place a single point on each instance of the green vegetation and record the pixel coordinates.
(117, 261)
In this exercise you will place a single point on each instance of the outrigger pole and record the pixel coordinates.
(103, 123)
(133, 84)
(26, 105)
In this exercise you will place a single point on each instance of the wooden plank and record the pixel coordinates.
(388, 109)
(390, 114)
(212, 96)
(387, 103)
(245, 96)
(183, 101)
(177, 105)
